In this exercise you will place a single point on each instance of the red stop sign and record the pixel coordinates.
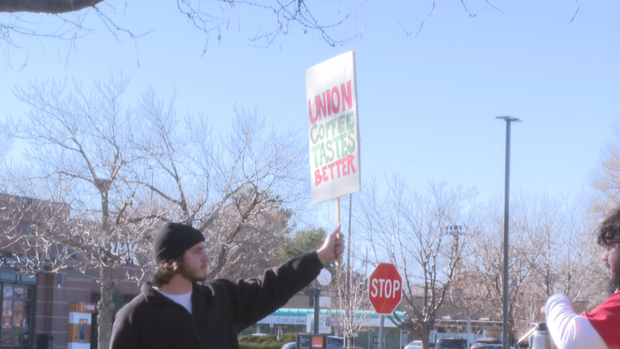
(385, 288)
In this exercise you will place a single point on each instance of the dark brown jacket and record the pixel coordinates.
(220, 310)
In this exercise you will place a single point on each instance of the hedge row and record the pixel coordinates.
(271, 345)
(265, 342)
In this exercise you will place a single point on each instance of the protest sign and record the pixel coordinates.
(334, 131)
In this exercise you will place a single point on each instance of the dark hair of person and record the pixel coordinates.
(610, 228)
(166, 271)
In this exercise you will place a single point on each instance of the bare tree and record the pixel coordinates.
(240, 191)
(563, 244)
(80, 156)
(549, 252)
(6, 139)
(351, 307)
(424, 235)
(484, 268)
(605, 180)
(108, 174)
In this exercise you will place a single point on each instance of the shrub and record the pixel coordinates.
(272, 345)
(265, 342)
(288, 337)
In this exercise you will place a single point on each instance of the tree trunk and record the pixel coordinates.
(424, 336)
(105, 307)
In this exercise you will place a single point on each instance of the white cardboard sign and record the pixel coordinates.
(334, 131)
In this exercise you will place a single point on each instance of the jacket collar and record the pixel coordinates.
(152, 296)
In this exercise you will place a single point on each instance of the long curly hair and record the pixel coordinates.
(609, 229)
(166, 271)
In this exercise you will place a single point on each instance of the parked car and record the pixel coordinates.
(487, 346)
(290, 345)
(452, 343)
(417, 344)
(332, 343)
(487, 343)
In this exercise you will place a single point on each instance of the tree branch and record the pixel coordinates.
(46, 6)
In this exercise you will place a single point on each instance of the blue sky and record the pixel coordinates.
(427, 105)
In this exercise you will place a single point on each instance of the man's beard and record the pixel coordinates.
(192, 276)
(614, 282)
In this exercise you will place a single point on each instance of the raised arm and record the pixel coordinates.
(568, 329)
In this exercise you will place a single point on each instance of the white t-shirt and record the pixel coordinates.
(568, 329)
(184, 300)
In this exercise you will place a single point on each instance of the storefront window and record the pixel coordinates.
(6, 337)
(23, 292)
(18, 313)
(7, 314)
(16, 331)
(7, 291)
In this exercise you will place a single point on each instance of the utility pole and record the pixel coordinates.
(505, 331)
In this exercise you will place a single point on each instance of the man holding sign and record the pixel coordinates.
(182, 309)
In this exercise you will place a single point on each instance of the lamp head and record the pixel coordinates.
(508, 118)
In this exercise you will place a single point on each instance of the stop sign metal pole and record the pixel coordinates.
(508, 120)
(381, 332)
(317, 310)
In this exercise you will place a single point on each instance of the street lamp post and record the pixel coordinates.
(508, 120)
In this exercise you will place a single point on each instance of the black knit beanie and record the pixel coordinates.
(173, 239)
